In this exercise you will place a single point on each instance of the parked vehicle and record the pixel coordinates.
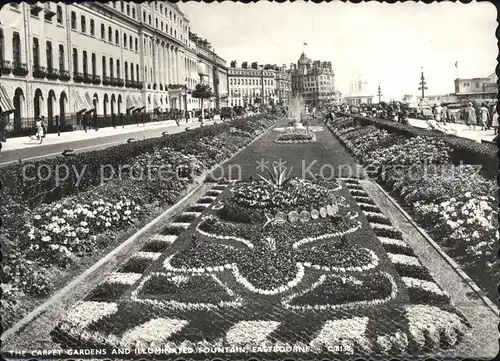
(424, 112)
(455, 112)
(226, 113)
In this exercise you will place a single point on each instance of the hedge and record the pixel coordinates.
(466, 151)
(46, 190)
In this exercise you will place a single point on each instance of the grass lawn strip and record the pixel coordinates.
(147, 255)
(124, 278)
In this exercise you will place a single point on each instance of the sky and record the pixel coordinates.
(384, 43)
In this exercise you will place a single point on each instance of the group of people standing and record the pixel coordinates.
(469, 115)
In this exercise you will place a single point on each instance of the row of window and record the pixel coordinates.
(240, 81)
(469, 84)
(16, 57)
(168, 14)
(132, 43)
(134, 70)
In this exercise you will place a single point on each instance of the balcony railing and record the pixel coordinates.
(131, 84)
(161, 86)
(154, 86)
(64, 75)
(39, 72)
(77, 77)
(87, 78)
(106, 80)
(96, 80)
(119, 82)
(149, 86)
(6, 67)
(140, 85)
(52, 74)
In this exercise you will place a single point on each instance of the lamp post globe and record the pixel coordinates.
(202, 68)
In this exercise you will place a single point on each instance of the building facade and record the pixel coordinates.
(216, 72)
(252, 85)
(359, 93)
(283, 84)
(106, 61)
(314, 81)
(477, 88)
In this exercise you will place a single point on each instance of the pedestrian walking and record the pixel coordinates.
(44, 126)
(3, 124)
(446, 115)
(470, 116)
(438, 112)
(39, 129)
(484, 116)
(494, 122)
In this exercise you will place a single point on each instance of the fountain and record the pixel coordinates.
(296, 132)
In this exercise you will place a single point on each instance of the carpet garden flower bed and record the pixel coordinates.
(48, 230)
(455, 204)
(265, 285)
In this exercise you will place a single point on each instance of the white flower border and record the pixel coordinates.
(182, 225)
(428, 286)
(382, 226)
(236, 273)
(373, 263)
(312, 140)
(327, 235)
(220, 237)
(185, 305)
(403, 259)
(286, 301)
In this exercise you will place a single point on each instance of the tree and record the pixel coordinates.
(202, 91)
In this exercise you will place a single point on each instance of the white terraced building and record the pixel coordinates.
(100, 60)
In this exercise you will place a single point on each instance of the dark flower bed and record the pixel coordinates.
(295, 137)
(136, 265)
(107, 292)
(353, 289)
(184, 289)
(248, 202)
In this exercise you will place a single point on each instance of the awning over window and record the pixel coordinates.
(130, 103)
(89, 102)
(156, 105)
(6, 106)
(80, 104)
(140, 104)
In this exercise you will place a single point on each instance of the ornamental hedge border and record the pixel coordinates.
(466, 151)
(46, 190)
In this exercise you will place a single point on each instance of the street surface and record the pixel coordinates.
(27, 149)
(462, 130)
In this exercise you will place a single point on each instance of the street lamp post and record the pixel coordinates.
(379, 93)
(422, 85)
(202, 70)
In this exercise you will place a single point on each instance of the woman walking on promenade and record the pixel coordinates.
(485, 115)
(494, 121)
(470, 116)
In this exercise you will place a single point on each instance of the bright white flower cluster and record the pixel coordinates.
(424, 285)
(429, 324)
(65, 228)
